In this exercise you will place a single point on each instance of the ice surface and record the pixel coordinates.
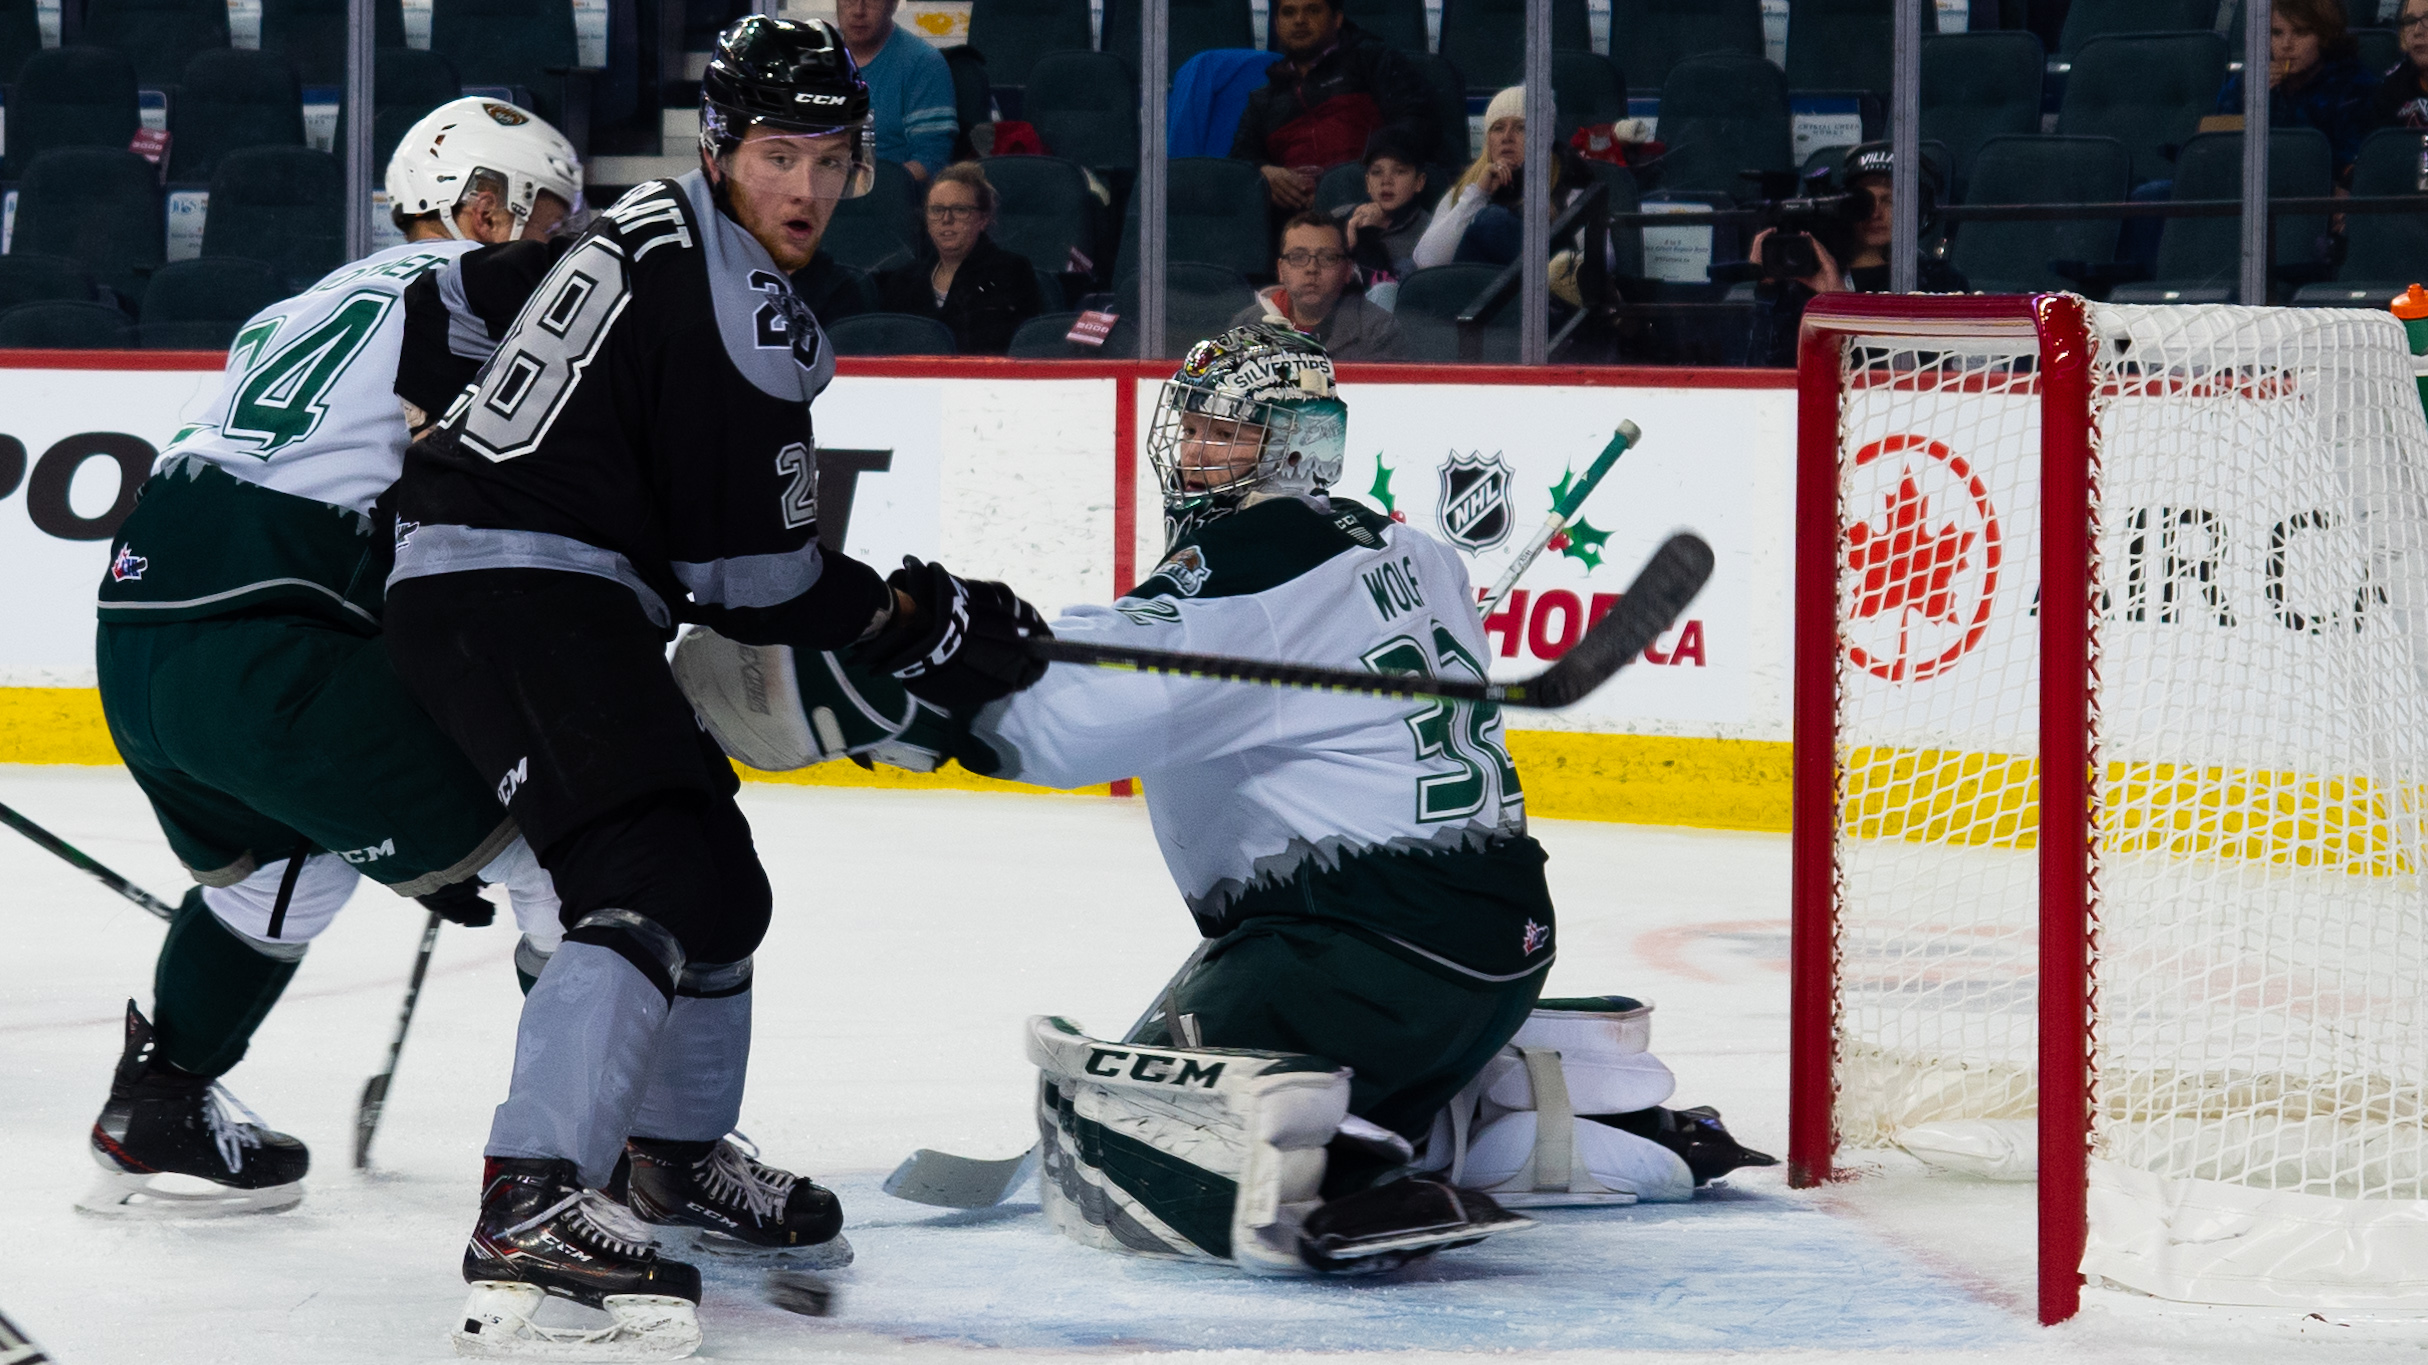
(914, 933)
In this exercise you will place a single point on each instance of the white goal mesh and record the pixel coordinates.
(2258, 965)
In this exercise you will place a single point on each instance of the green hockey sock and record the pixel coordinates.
(210, 990)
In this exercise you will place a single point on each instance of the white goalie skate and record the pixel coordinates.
(498, 1325)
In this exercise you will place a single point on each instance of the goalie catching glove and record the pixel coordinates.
(961, 644)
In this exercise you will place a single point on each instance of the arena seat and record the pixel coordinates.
(1215, 213)
(2001, 258)
(1587, 88)
(1449, 108)
(20, 35)
(890, 334)
(232, 98)
(1043, 210)
(2386, 246)
(2091, 19)
(69, 97)
(1084, 106)
(1722, 114)
(98, 206)
(1653, 36)
(1977, 86)
(2148, 91)
(1044, 337)
(1199, 301)
(31, 277)
(1015, 34)
(62, 325)
(311, 34)
(1846, 44)
(1487, 38)
(1194, 26)
(199, 304)
(158, 36)
(880, 228)
(281, 206)
(2205, 253)
(1428, 309)
(529, 43)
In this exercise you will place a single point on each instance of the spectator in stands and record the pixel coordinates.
(1313, 294)
(2402, 93)
(1335, 85)
(2315, 78)
(833, 290)
(1856, 260)
(1384, 230)
(961, 277)
(1478, 220)
(910, 88)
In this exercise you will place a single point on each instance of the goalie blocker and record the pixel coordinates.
(1218, 1154)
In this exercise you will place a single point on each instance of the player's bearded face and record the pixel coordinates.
(783, 188)
(1214, 451)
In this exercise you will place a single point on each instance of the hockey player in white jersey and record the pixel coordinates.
(243, 682)
(1377, 924)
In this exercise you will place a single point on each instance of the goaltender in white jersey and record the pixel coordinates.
(1376, 920)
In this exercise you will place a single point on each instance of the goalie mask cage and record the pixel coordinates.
(2111, 761)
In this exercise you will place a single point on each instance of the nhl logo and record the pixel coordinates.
(1475, 500)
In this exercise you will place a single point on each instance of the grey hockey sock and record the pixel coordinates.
(581, 1060)
(695, 1081)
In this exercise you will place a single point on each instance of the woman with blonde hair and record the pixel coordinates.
(1478, 220)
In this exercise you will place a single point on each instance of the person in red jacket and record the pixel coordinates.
(1335, 86)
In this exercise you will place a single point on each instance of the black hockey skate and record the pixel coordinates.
(1398, 1221)
(541, 1234)
(736, 1203)
(1696, 1135)
(173, 1144)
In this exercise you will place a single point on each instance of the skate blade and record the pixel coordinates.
(131, 1194)
(1424, 1239)
(497, 1325)
(1563, 1199)
(832, 1254)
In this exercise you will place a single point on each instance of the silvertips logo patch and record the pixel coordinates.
(1475, 500)
(1188, 570)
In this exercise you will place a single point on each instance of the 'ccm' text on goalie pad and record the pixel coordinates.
(1212, 1154)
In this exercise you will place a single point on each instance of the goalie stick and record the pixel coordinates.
(1660, 592)
(375, 1090)
(1562, 512)
(68, 852)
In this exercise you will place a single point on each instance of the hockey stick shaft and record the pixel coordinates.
(1565, 511)
(17, 1347)
(1654, 600)
(75, 858)
(375, 1090)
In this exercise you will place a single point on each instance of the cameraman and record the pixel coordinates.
(1850, 253)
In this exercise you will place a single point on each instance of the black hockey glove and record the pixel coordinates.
(961, 645)
(461, 903)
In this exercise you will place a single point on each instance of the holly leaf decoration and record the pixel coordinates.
(1584, 543)
(1559, 491)
(1381, 491)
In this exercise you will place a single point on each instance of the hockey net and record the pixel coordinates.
(2112, 780)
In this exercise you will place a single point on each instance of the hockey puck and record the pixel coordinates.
(798, 1291)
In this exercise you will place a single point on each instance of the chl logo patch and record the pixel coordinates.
(1188, 570)
(128, 566)
(1475, 500)
(513, 781)
(1536, 938)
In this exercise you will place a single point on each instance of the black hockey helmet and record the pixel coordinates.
(791, 75)
(1877, 158)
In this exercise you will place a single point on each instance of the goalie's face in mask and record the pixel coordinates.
(1216, 452)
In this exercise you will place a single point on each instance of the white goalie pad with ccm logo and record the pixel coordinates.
(1209, 1154)
(777, 709)
(1520, 1132)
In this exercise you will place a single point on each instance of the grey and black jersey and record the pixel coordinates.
(646, 419)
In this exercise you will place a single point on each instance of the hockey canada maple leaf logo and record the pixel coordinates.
(1922, 565)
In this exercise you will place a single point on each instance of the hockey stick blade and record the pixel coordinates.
(375, 1090)
(1660, 592)
(959, 1182)
(69, 854)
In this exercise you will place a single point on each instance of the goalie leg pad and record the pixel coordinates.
(776, 708)
(1207, 1154)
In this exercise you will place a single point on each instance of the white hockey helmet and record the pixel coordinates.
(1250, 412)
(435, 164)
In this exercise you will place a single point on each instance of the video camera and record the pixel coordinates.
(1803, 210)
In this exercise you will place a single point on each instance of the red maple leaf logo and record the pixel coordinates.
(1905, 565)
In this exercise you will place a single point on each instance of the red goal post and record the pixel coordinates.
(2056, 328)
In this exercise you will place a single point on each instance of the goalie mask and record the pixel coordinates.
(1251, 413)
(442, 157)
(793, 77)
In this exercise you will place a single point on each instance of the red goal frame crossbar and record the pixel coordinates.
(2059, 326)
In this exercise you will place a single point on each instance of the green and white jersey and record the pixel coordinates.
(1402, 818)
(309, 406)
(265, 502)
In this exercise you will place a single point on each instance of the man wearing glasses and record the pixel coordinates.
(1313, 295)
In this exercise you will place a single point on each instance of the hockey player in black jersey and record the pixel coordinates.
(639, 454)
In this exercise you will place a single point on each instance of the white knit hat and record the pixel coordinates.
(1510, 103)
